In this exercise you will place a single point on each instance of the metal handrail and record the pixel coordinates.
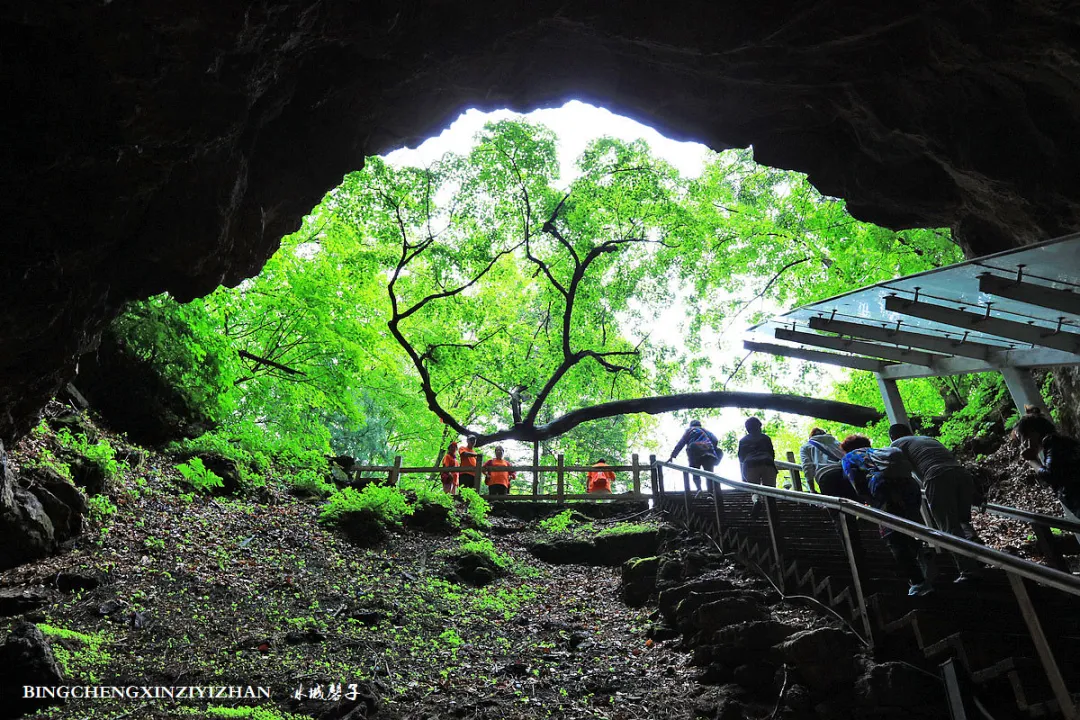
(1016, 570)
(936, 538)
(1013, 513)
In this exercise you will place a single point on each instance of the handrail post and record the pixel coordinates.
(660, 481)
(774, 537)
(1044, 540)
(536, 471)
(652, 476)
(1042, 647)
(849, 534)
(718, 509)
(478, 481)
(395, 472)
(559, 478)
(686, 493)
(796, 477)
(637, 473)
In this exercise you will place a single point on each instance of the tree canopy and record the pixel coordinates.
(484, 293)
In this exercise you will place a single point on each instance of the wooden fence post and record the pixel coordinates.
(536, 472)
(395, 471)
(796, 478)
(559, 479)
(477, 477)
(637, 473)
(652, 476)
(686, 493)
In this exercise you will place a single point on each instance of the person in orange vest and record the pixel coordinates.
(498, 481)
(450, 479)
(599, 481)
(467, 459)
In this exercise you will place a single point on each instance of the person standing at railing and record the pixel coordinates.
(820, 459)
(467, 459)
(450, 479)
(883, 476)
(702, 449)
(1055, 457)
(498, 481)
(599, 481)
(757, 459)
(949, 488)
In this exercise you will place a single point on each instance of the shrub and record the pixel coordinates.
(385, 503)
(199, 476)
(473, 542)
(311, 482)
(100, 508)
(558, 524)
(476, 507)
(100, 453)
(87, 660)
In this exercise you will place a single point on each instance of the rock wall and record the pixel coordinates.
(168, 146)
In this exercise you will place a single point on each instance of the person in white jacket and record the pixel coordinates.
(820, 459)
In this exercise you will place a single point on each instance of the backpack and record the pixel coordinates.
(888, 462)
(829, 452)
(700, 444)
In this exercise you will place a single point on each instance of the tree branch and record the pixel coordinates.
(811, 407)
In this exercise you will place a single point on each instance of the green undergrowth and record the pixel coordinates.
(473, 542)
(87, 661)
(198, 476)
(570, 523)
(391, 505)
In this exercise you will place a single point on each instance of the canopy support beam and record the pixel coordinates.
(922, 341)
(849, 361)
(1064, 301)
(1034, 334)
(894, 404)
(855, 346)
(1023, 389)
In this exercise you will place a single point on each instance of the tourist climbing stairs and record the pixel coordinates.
(978, 628)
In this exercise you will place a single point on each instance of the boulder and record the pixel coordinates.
(474, 569)
(617, 549)
(64, 503)
(362, 528)
(728, 611)
(825, 658)
(27, 659)
(669, 598)
(430, 517)
(757, 676)
(226, 469)
(564, 552)
(88, 475)
(16, 601)
(26, 532)
(639, 580)
(897, 685)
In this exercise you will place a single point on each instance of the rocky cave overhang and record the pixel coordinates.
(155, 147)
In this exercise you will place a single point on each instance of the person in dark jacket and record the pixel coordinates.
(949, 488)
(757, 459)
(702, 450)
(1055, 457)
(883, 478)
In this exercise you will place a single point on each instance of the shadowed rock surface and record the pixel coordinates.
(169, 146)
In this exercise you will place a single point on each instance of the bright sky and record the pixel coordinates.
(576, 124)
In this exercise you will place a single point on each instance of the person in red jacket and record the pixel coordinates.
(450, 479)
(498, 481)
(599, 480)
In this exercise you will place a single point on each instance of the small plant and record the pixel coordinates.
(198, 476)
(100, 508)
(476, 507)
(385, 503)
(311, 483)
(46, 460)
(558, 524)
(100, 453)
(84, 663)
(473, 542)
(625, 529)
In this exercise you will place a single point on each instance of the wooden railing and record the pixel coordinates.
(560, 469)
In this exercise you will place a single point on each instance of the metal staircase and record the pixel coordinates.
(1012, 638)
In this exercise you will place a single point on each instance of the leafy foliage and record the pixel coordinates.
(198, 476)
(388, 504)
(101, 453)
(476, 507)
(473, 542)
